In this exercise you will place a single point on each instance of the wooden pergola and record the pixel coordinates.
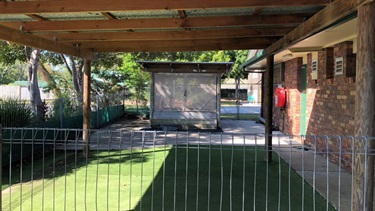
(82, 28)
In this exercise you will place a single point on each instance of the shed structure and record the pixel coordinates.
(185, 94)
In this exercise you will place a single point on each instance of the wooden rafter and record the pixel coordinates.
(168, 35)
(324, 18)
(22, 38)
(196, 43)
(219, 46)
(161, 23)
(62, 6)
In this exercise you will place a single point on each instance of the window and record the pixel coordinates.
(339, 66)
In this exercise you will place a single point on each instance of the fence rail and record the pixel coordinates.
(175, 170)
(13, 113)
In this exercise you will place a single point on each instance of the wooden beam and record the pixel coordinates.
(178, 43)
(269, 107)
(22, 38)
(167, 35)
(161, 23)
(324, 18)
(210, 47)
(63, 6)
(86, 107)
(363, 169)
(262, 95)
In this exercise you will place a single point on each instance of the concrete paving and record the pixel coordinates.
(245, 108)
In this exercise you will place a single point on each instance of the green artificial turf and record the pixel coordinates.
(164, 178)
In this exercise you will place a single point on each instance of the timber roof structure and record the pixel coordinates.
(82, 28)
(187, 67)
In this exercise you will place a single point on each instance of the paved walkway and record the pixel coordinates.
(242, 109)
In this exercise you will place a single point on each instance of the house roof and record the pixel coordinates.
(82, 28)
(41, 84)
(187, 67)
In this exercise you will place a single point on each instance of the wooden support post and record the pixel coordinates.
(363, 169)
(262, 96)
(268, 107)
(86, 107)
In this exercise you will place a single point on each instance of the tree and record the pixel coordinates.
(136, 80)
(12, 72)
(35, 99)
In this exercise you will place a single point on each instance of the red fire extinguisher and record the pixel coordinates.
(279, 97)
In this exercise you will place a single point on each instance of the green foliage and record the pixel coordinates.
(70, 107)
(12, 72)
(10, 53)
(15, 113)
(236, 56)
(136, 80)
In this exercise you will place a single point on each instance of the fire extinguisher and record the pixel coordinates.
(279, 97)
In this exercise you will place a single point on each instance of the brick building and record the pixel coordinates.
(320, 89)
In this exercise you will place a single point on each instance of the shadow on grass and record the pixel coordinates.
(227, 178)
(57, 163)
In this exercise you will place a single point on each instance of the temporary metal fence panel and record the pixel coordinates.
(164, 170)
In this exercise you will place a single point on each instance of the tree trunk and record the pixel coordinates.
(46, 75)
(76, 71)
(75, 76)
(35, 99)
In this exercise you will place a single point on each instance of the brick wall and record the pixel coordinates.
(330, 99)
(287, 119)
(332, 105)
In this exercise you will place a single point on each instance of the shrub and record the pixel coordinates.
(15, 113)
(70, 107)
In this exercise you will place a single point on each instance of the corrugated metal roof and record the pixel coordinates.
(146, 14)
(290, 10)
(6, 18)
(88, 18)
(219, 12)
(73, 16)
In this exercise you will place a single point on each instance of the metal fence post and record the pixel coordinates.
(1, 162)
(61, 112)
(97, 110)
